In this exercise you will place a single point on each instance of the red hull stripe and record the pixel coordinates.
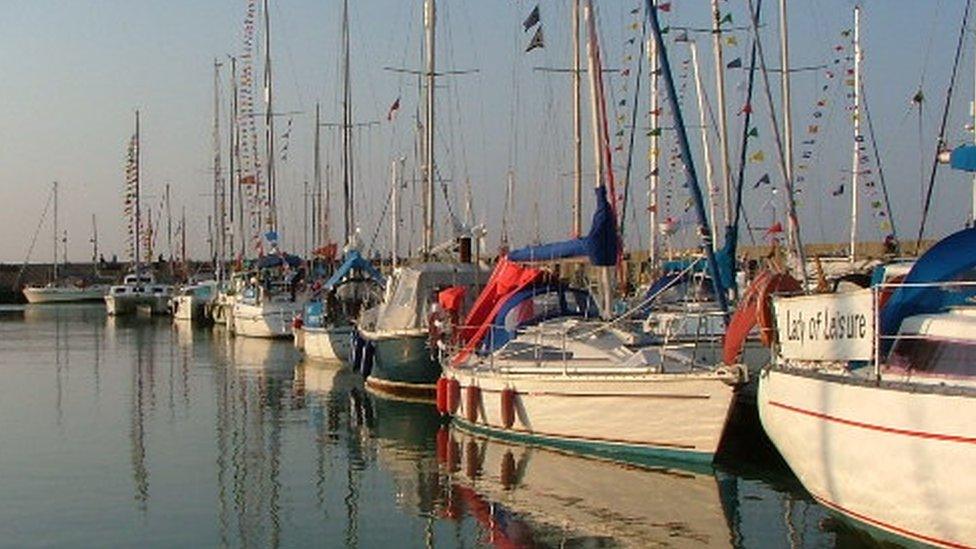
(890, 527)
(872, 427)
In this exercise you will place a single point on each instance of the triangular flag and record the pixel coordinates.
(838, 191)
(654, 132)
(813, 128)
(758, 156)
(537, 40)
(747, 108)
(731, 41)
(532, 20)
(726, 19)
(764, 180)
(735, 63)
(394, 108)
(666, 6)
(754, 132)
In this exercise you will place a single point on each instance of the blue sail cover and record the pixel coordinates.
(354, 261)
(949, 258)
(600, 245)
(963, 158)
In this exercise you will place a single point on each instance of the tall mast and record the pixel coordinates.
(347, 175)
(322, 234)
(706, 151)
(136, 242)
(784, 45)
(269, 121)
(55, 232)
(232, 164)
(577, 128)
(857, 128)
(94, 241)
(219, 199)
(655, 70)
(430, 20)
(723, 133)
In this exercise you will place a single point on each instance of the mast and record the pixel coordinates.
(269, 122)
(784, 46)
(94, 243)
(395, 218)
(577, 129)
(857, 128)
(723, 133)
(136, 242)
(348, 192)
(305, 218)
(169, 229)
(430, 20)
(219, 198)
(654, 67)
(672, 94)
(235, 159)
(321, 235)
(706, 151)
(55, 232)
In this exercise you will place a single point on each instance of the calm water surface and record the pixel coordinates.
(133, 431)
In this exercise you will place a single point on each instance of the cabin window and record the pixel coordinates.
(934, 356)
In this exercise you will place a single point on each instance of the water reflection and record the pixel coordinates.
(180, 435)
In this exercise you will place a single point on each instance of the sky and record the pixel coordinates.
(74, 72)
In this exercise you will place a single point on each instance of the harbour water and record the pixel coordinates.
(138, 431)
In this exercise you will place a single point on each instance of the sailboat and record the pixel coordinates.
(395, 350)
(60, 290)
(139, 289)
(327, 326)
(536, 364)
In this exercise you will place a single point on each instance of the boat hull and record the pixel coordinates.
(327, 344)
(641, 418)
(403, 366)
(128, 304)
(64, 294)
(894, 458)
(270, 320)
(188, 308)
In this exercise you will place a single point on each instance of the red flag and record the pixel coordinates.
(390, 114)
(747, 108)
(776, 228)
(666, 7)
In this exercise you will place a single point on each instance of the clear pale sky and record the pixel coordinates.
(73, 72)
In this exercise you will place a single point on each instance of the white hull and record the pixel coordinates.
(646, 415)
(321, 343)
(187, 308)
(894, 458)
(267, 320)
(128, 304)
(64, 294)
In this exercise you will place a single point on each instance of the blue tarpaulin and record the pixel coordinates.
(277, 260)
(352, 261)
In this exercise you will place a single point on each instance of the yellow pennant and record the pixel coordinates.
(758, 156)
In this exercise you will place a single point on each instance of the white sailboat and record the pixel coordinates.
(62, 290)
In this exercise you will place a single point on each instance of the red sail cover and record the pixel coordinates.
(507, 279)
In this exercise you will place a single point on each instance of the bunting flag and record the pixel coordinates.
(757, 157)
(746, 109)
(775, 228)
(764, 180)
(537, 40)
(734, 64)
(754, 132)
(838, 191)
(726, 19)
(532, 20)
(665, 7)
(393, 110)
(731, 40)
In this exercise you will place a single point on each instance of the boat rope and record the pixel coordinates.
(941, 142)
(731, 234)
(877, 161)
(30, 249)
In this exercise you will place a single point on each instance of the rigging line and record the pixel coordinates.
(940, 144)
(379, 222)
(633, 127)
(877, 160)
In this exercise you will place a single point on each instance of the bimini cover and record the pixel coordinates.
(949, 258)
(352, 262)
(278, 260)
(600, 245)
